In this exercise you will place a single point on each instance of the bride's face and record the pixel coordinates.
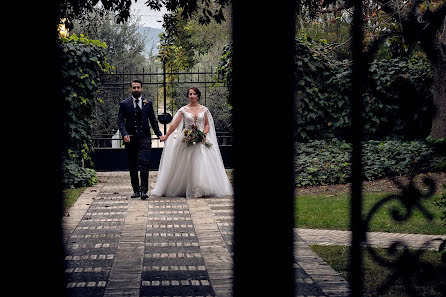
(193, 97)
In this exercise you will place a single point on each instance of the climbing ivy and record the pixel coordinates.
(397, 99)
(81, 62)
(223, 71)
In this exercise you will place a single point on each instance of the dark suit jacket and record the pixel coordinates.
(126, 118)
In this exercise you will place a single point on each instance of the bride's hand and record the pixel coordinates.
(163, 138)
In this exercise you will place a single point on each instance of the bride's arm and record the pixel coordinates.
(172, 127)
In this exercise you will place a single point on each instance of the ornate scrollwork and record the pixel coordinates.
(404, 263)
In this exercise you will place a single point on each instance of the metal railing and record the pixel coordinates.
(108, 141)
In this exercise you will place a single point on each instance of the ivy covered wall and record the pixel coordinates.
(81, 62)
(397, 98)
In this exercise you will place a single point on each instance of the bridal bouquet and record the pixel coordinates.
(193, 136)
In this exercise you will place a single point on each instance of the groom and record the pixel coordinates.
(133, 121)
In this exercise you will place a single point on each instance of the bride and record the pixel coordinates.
(196, 170)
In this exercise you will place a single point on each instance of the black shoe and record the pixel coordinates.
(135, 195)
(144, 196)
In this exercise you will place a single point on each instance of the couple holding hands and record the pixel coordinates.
(185, 170)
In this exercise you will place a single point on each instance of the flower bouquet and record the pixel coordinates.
(193, 136)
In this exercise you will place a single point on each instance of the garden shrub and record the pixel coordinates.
(75, 176)
(441, 203)
(323, 162)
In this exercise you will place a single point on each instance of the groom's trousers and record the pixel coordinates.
(138, 152)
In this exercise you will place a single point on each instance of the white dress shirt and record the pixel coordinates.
(139, 102)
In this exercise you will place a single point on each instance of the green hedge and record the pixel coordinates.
(323, 162)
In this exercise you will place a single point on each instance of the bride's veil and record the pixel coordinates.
(168, 159)
(212, 135)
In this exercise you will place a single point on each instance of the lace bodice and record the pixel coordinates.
(194, 117)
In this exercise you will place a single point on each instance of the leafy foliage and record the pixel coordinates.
(397, 99)
(322, 162)
(76, 176)
(224, 67)
(81, 62)
(441, 203)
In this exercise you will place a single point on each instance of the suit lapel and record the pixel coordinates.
(131, 109)
(130, 103)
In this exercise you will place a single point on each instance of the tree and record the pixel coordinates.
(184, 42)
(125, 46)
(68, 10)
(424, 22)
(417, 22)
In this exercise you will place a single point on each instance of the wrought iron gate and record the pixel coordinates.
(263, 230)
(166, 88)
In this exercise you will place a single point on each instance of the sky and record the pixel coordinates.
(148, 17)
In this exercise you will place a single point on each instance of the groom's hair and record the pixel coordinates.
(136, 81)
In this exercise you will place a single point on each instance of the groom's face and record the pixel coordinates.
(136, 89)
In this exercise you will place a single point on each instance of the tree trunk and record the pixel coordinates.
(438, 65)
(438, 129)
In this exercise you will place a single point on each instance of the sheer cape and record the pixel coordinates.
(194, 171)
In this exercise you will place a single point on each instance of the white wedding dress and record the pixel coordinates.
(194, 171)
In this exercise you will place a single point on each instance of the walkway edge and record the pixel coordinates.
(76, 212)
(328, 279)
(216, 257)
(375, 239)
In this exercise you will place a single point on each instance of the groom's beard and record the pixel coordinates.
(136, 94)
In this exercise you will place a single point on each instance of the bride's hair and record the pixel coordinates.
(197, 91)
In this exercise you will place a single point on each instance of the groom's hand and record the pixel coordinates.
(126, 138)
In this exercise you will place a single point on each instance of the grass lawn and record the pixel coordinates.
(332, 212)
(428, 277)
(70, 196)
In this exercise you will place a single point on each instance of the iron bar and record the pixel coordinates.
(264, 191)
(356, 221)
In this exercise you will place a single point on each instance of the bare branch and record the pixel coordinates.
(373, 47)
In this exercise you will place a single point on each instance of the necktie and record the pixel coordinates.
(137, 105)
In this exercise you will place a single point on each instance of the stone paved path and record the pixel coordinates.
(117, 246)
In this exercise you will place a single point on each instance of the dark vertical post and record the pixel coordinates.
(356, 222)
(172, 93)
(123, 84)
(205, 86)
(263, 153)
(165, 97)
(157, 89)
